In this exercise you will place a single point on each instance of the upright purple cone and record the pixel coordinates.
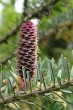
(27, 49)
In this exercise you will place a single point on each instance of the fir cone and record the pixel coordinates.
(27, 49)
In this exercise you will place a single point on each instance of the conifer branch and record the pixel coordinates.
(20, 96)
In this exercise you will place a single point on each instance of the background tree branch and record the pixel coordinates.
(8, 58)
(36, 13)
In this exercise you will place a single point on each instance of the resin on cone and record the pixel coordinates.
(27, 49)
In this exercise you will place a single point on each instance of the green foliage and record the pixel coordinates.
(49, 74)
(56, 33)
(10, 19)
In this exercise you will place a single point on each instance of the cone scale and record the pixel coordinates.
(27, 49)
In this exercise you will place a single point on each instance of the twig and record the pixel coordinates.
(19, 96)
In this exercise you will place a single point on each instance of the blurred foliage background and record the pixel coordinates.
(54, 22)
